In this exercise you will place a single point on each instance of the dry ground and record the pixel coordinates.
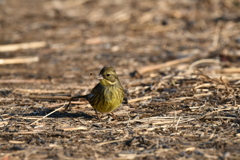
(179, 62)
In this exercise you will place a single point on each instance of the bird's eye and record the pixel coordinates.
(108, 75)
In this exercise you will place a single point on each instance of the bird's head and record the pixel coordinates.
(108, 76)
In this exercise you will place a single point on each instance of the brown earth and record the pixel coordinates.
(177, 60)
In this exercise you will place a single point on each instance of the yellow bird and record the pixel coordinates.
(107, 95)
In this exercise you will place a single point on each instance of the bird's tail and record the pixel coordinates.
(74, 98)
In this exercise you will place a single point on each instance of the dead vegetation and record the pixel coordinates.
(178, 62)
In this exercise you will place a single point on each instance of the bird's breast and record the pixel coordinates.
(111, 98)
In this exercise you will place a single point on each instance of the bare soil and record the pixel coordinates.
(179, 63)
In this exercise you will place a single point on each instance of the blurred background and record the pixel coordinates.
(82, 36)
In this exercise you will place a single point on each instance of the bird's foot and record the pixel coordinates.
(113, 115)
(98, 117)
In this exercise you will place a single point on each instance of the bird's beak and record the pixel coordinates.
(99, 77)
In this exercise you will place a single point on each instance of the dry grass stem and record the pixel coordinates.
(18, 60)
(21, 46)
(164, 65)
(9, 81)
(139, 99)
(203, 61)
(48, 115)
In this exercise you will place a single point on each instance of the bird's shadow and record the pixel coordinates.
(58, 114)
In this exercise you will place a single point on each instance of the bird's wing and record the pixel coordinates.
(95, 91)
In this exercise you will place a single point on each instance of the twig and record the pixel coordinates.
(119, 140)
(48, 114)
(66, 5)
(164, 65)
(203, 94)
(230, 70)
(3, 123)
(32, 117)
(39, 91)
(19, 60)
(205, 85)
(139, 99)
(209, 85)
(217, 34)
(15, 47)
(194, 64)
(73, 128)
(176, 126)
(50, 97)
(16, 142)
(57, 98)
(226, 86)
(25, 132)
(73, 102)
(219, 110)
(23, 81)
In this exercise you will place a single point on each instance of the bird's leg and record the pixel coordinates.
(97, 114)
(113, 115)
(71, 99)
(125, 100)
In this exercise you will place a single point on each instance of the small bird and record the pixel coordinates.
(107, 95)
